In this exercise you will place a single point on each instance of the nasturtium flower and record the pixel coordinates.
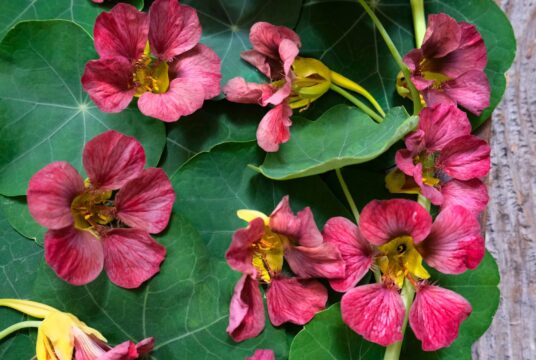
(155, 57)
(444, 160)
(262, 355)
(449, 67)
(106, 220)
(61, 336)
(295, 81)
(396, 236)
(258, 252)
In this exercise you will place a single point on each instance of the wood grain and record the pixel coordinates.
(511, 216)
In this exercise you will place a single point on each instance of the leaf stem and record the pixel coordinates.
(346, 83)
(348, 195)
(18, 326)
(417, 106)
(419, 21)
(356, 102)
(392, 352)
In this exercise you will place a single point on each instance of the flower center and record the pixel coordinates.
(428, 168)
(428, 72)
(311, 80)
(92, 209)
(150, 74)
(268, 254)
(399, 258)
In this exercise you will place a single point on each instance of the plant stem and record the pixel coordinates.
(417, 106)
(419, 21)
(19, 326)
(348, 195)
(346, 83)
(357, 103)
(392, 352)
(424, 202)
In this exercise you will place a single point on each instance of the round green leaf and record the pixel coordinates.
(17, 214)
(45, 115)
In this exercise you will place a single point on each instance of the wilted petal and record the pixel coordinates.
(465, 158)
(262, 355)
(442, 123)
(375, 312)
(471, 194)
(382, 221)
(50, 193)
(323, 261)
(436, 315)
(274, 127)
(131, 257)
(76, 256)
(239, 255)
(266, 38)
(293, 300)
(246, 312)
(442, 36)
(470, 90)
(240, 91)
(111, 159)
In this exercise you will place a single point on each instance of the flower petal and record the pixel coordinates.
(470, 90)
(404, 161)
(432, 193)
(111, 159)
(442, 36)
(240, 91)
(145, 202)
(323, 261)
(355, 251)
(274, 127)
(266, 38)
(262, 355)
(382, 221)
(273, 69)
(239, 256)
(375, 312)
(246, 312)
(28, 307)
(76, 256)
(174, 29)
(131, 257)
(108, 83)
(465, 158)
(454, 244)
(202, 65)
(442, 123)
(436, 315)
(51, 191)
(121, 32)
(294, 300)
(471, 194)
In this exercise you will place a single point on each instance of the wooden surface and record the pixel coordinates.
(511, 221)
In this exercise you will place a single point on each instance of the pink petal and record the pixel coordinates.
(415, 142)
(174, 29)
(470, 90)
(404, 161)
(145, 202)
(184, 97)
(323, 261)
(279, 95)
(274, 127)
(111, 159)
(51, 191)
(124, 351)
(76, 256)
(202, 65)
(271, 68)
(375, 312)
(239, 255)
(465, 158)
(145, 346)
(437, 96)
(288, 50)
(355, 251)
(443, 36)
(266, 38)
(246, 311)
(121, 32)
(471, 194)
(442, 123)
(131, 257)
(294, 300)
(430, 192)
(262, 355)
(108, 82)
(436, 315)
(382, 221)
(240, 91)
(454, 244)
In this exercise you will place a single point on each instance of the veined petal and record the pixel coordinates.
(471, 194)
(274, 127)
(31, 308)
(404, 161)
(246, 313)
(442, 36)
(442, 123)
(239, 255)
(240, 91)
(465, 158)
(271, 68)
(471, 90)
(323, 261)
(266, 38)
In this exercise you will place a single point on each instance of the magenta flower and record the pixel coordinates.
(88, 347)
(449, 67)
(258, 252)
(90, 225)
(156, 57)
(445, 160)
(262, 355)
(397, 235)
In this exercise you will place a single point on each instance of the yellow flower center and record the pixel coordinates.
(428, 72)
(428, 169)
(399, 258)
(312, 80)
(268, 254)
(150, 74)
(91, 209)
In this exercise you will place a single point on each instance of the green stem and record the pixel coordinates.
(392, 352)
(348, 84)
(424, 202)
(357, 103)
(19, 326)
(348, 195)
(419, 21)
(417, 106)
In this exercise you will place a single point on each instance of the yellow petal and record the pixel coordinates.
(396, 182)
(250, 215)
(57, 329)
(28, 307)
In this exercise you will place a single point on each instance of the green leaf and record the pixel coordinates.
(212, 186)
(352, 47)
(82, 12)
(343, 136)
(45, 115)
(17, 214)
(226, 27)
(330, 338)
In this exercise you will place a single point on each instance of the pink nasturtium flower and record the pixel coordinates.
(397, 235)
(444, 160)
(61, 336)
(104, 221)
(449, 67)
(155, 57)
(262, 355)
(258, 252)
(295, 81)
